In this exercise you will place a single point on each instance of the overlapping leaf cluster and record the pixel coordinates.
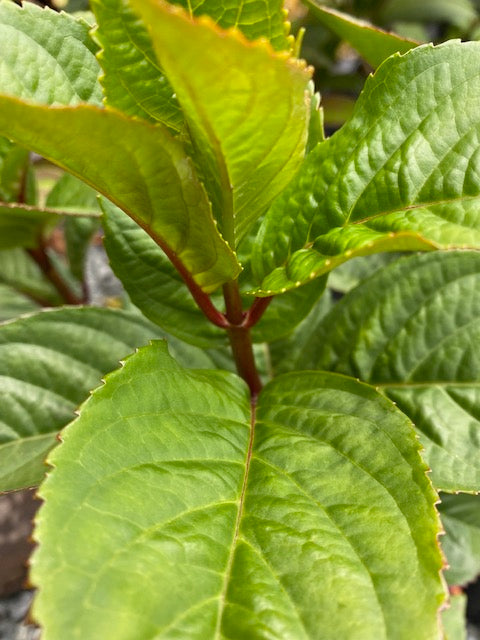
(179, 506)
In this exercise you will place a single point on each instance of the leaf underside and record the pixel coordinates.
(202, 531)
(401, 174)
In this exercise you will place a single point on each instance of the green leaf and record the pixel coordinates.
(152, 282)
(247, 109)
(47, 56)
(351, 273)
(412, 329)
(454, 618)
(48, 364)
(373, 44)
(13, 166)
(13, 303)
(24, 226)
(201, 533)
(461, 13)
(72, 193)
(461, 519)
(398, 176)
(126, 158)
(21, 273)
(132, 79)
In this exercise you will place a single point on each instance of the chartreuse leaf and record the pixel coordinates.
(132, 79)
(202, 531)
(246, 106)
(412, 329)
(48, 364)
(372, 43)
(138, 166)
(47, 56)
(152, 283)
(397, 176)
(461, 543)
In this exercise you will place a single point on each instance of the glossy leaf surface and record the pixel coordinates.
(129, 156)
(47, 56)
(132, 79)
(201, 533)
(372, 43)
(398, 175)
(246, 106)
(461, 543)
(413, 330)
(48, 364)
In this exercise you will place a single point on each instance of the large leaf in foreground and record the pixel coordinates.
(47, 56)
(246, 106)
(373, 44)
(402, 174)
(138, 166)
(202, 532)
(413, 329)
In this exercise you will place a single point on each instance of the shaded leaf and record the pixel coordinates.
(152, 283)
(19, 271)
(397, 176)
(461, 543)
(129, 156)
(229, 541)
(13, 303)
(47, 56)
(458, 12)
(372, 43)
(413, 330)
(454, 618)
(247, 109)
(13, 165)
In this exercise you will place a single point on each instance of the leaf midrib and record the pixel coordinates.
(241, 503)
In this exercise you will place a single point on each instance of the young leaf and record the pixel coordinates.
(397, 176)
(47, 56)
(202, 531)
(246, 106)
(152, 283)
(372, 43)
(461, 519)
(132, 79)
(138, 166)
(412, 329)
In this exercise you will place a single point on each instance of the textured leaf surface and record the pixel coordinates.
(413, 329)
(200, 533)
(373, 44)
(132, 79)
(461, 519)
(48, 364)
(138, 166)
(398, 176)
(152, 282)
(47, 56)
(13, 303)
(21, 273)
(247, 109)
